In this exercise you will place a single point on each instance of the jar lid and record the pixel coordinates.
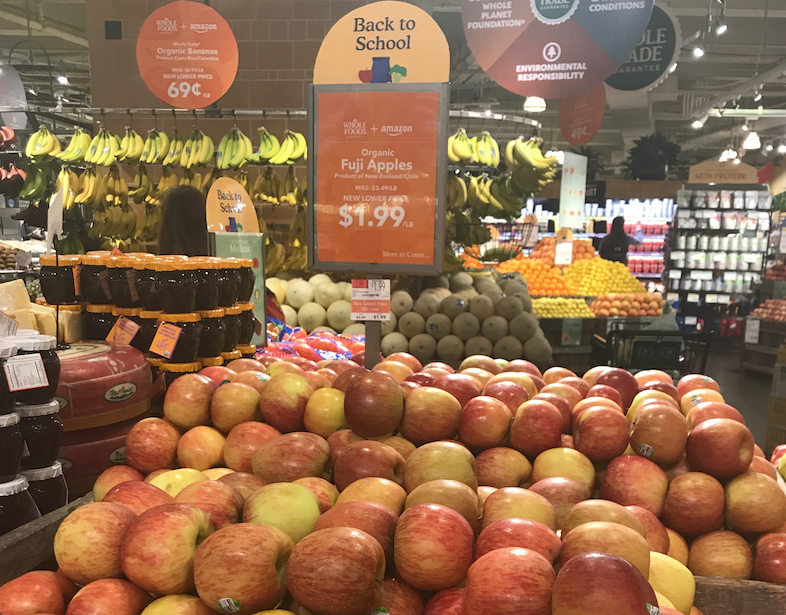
(206, 263)
(53, 471)
(230, 263)
(120, 262)
(180, 368)
(232, 311)
(231, 356)
(245, 307)
(97, 308)
(140, 254)
(211, 313)
(7, 349)
(94, 259)
(53, 260)
(174, 265)
(101, 252)
(156, 361)
(9, 420)
(210, 361)
(145, 262)
(50, 407)
(173, 257)
(188, 317)
(150, 314)
(244, 350)
(118, 311)
(247, 262)
(35, 342)
(12, 487)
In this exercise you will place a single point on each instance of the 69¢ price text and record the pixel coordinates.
(381, 214)
(184, 89)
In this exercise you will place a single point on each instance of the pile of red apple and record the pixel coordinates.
(334, 490)
(771, 309)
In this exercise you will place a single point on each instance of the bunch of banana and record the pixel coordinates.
(123, 222)
(263, 228)
(68, 181)
(457, 192)
(69, 244)
(77, 147)
(190, 178)
(268, 147)
(297, 260)
(168, 180)
(90, 194)
(149, 225)
(470, 231)
(208, 179)
(242, 179)
(460, 148)
(131, 147)
(103, 149)
(198, 150)
(450, 262)
(485, 149)
(41, 144)
(116, 188)
(142, 185)
(297, 228)
(493, 197)
(267, 187)
(175, 151)
(156, 147)
(530, 170)
(289, 191)
(37, 182)
(292, 149)
(234, 150)
(275, 255)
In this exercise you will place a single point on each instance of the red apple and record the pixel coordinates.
(722, 448)
(652, 375)
(221, 502)
(243, 441)
(511, 394)
(592, 374)
(563, 390)
(606, 537)
(565, 462)
(758, 452)
(138, 496)
(291, 507)
(201, 448)
(345, 378)
(778, 452)
(217, 374)
(430, 414)
(283, 401)
(268, 359)
(621, 380)
(435, 372)
(246, 365)
(232, 404)
(404, 447)
(373, 405)
(303, 363)
(679, 468)
(509, 580)
(762, 466)
(399, 371)
(462, 387)
(446, 602)
(440, 460)
(433, 547)
(480, 361)
(152, 445)
(519, 503)
(338, 441)
(187, 401)
(553, 374)
(694, 504)
(577, 383)
(317, 380)
(721, 554)
(87, 543)
(328, 373)
(536, 428)
(502, 467)
(522, 378)
(39, 591)
(323, 489)
(398, 597)
(340, 365)
(713, 410)
(770, 562)
(519, 365)
(368, 459)
(660, 434)
(407, 359)
(246, 563)
(450, 493)
(421, 378)
(439, 365)
(375, 489)
(290, 456)
(693, 382)
(754, 504)
(635, 481)
(285, 367)
(592, 402)
(111, 477)
(523, 533)
(566, 441)
(663, 387)
(562, 404)
(481, 375)
(484, 423)
(601, 510)
(351, 583)
(254, 379)
(563, 493)
(657, 536)
(244, 482)
(604, 390)
(601, 433)
(109, 596)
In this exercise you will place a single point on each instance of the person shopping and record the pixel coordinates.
(614, 246)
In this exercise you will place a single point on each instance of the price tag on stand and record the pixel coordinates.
(370, 300)
(711, 299)
(25, 372)
(724, 299)
(752, 326)
(165, 340)
(693, 298)
(123, 331)
(563, 253)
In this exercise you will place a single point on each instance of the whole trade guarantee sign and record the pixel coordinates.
(553, 48)
(187, 54)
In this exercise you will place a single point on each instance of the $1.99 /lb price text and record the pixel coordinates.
(351, 214)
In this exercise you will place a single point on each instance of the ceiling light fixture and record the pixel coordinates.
(720, 25)
(737, 161)
(32, 91)
(488, 112)
(745, 126)
(62, 80)
(769, 147)
(534, 104)
(697, 124)
(698, 51)
(782, 148)
(752, 141)
(673, 68)
(757, 96)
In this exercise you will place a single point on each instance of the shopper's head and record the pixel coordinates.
(618, 226)
(184, 223)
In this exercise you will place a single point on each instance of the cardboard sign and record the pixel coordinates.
(716, 172)
(553, 48)
(370, 300)
(165, 340)
(752, 326)
(572, 190)
(580, 116)
(187, 54)
(230, 209)
(378, 173)
(123, 331)
(384, 42)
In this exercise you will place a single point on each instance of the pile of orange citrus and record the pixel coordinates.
(542, 281)
(544, 250)
(628, 304)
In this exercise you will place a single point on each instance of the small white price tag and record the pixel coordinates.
(25, 372)
(693, 298)
(8, 325)
(672, 297)
(752, 330)
(563, 253)
(691, 320)
(370, 300)
(675, 274)
(711, 299)
(724, 299)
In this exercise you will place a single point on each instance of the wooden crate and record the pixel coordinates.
(716, 596)
(31, 546)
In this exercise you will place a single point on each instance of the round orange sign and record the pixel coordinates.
(187, 54)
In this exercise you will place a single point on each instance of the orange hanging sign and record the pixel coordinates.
(230, 209)
(165, 340)
(187, 54)
(123, 331)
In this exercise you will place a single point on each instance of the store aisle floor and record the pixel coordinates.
(746, 391)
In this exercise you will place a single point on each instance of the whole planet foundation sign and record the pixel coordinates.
(553, 48)
(187, 54)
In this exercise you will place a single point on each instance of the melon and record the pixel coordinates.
(338, 315)
(466, 326)
(442, 293)
(478, 345)
(290, 315)
(450, 349)
(284, 283)
(288, 276)
(319, 278)
(513, 287)
(508, 348)
(537, 349)
(327, 293)
(299, 293)
(347, 292)
(484, 282)
(509, 307)
(427, 305)
(495, 328)
(460, 281)
(495, 294)
(357, 328)
(411, 324)
(437, 281)
(481, 307)
(311, 316)
(438, 326)
(389, 326)
(275, 286)
(467, 294)
(344, 286)
(423, 347)
(394, 342)
(526, 301)
(453, 305)
(401, 302)
(523, 327)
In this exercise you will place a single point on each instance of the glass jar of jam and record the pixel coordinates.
(17, 506)
(48, 487)
(176, 286)
(97, 321)
(148, 322)
(246, 323)
(208, 279)
(43, 345)
(146, 283)
(173, 371)
(187, 348)
(122, 281)
(12, 444)
(7, 397)
(57, 278)
(133, 314)
(247, 280)
(232, 322)
(214, 333)
(94, 279)
(247, 352)
(230, 285)
(42, 431)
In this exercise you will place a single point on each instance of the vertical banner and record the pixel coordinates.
(572, 191)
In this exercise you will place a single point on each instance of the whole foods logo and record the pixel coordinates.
(201, 28)
(120, 392)
(166, 26)
(553, 12)
(396, 131)
(355, 129)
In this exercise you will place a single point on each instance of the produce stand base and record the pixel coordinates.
(32, 545)
(717, 596)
